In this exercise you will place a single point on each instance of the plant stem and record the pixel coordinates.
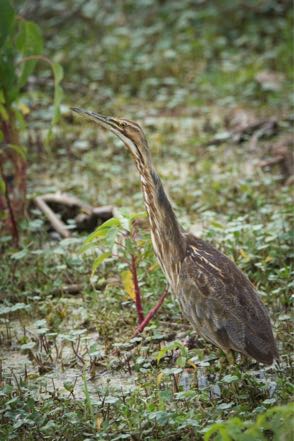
(35, 58)
(14, 229)
(138, 297)
(88, 403)
(151, 313)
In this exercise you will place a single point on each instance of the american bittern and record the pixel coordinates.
(216, 296)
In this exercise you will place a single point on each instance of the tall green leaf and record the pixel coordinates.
(99, 260)
(7, 17)
(2, 186)
(8, 78)
(107, 232)
(29, 42)
(58, 92)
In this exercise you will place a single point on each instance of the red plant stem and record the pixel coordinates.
(14, 229)
(138, 298)
(151, 313)
(6, 131)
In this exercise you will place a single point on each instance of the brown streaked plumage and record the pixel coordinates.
(216, 296)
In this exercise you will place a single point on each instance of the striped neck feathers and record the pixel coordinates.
(167, 238)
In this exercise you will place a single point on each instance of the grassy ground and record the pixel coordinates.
(71, 369)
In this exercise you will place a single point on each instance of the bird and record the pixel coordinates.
(215, 296)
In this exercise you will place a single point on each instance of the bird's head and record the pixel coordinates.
(129, 132)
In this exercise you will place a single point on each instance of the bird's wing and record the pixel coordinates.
(223, 303)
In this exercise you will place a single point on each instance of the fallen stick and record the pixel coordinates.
(271, 161)
(65, 199)
(73, 289)
(56, 223)
(104, 212)
(258, 129)
(88, 220)
(85, 220)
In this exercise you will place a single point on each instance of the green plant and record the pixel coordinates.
(21, 46)
(275, 424)
(122, 238)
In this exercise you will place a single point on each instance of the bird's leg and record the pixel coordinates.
(151, 313)
(227, 360)
(230, 357)
(245, 361)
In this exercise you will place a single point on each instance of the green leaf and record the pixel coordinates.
(69, 386)
(99, 260)
(8, 76)
(20, 254)
(225, 406)
(181, 362)
(29, 42)
(111, 400)
(3, 113)
(14, 308)
(2, 97)
(58, 91)
(218, 427)
(27, 346)
(172, 371)
(58, 72)
(230, 379)
(7, 17)
(105, 230)
(277, 420)
(171, 347)
(2, 186)
(19, 149)
(20, 119)
(127, 218)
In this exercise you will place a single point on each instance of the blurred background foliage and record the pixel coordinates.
(175, 53)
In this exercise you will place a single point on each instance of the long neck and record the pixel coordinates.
(168, 241)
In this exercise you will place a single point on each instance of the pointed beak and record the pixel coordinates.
(108, 123)
(104, 121)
